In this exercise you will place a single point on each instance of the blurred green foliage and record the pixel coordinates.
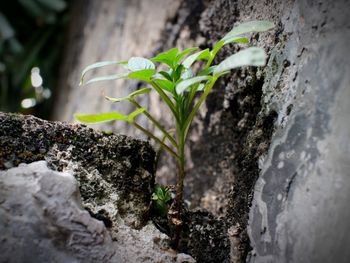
(31, 38)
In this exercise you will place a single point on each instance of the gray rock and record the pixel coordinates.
(115, 172)
(300, 209)
(42, 220)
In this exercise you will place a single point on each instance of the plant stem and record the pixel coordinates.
(165, 97)
(176, 210)
(197, 106)
(156, 123)
(156, 139)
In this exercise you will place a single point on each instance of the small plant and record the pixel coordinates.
(161, 198)
(178, 87)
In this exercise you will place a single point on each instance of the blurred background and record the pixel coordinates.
(32, 34)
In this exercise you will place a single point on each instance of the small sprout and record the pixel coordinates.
(161, 198)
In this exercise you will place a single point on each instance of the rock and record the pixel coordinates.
(115, 173)
(42, 220)
(269, 151)
(205, 237)
(300, 208)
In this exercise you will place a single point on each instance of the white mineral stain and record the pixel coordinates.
(280, 165)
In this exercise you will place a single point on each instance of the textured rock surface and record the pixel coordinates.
(298, 212)
(42, 220)
(115, 172)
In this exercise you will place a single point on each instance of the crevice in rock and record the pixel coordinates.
(225, 156)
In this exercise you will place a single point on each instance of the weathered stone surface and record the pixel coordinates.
(302, 95)
(301, 99)
(300, 209)
(42, 220)
(115, 173)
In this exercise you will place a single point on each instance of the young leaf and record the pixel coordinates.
(184, 53)
(102, 117)
(222, 42)
(204, 54)
(131, 116)
(252, 56)
(183, 85)
(177, 72)
(207, 71)
(110, 77)
(167, 57)
(138, 64)
(187, 74)
(249, 27)
(109, 116)
(139, 92)
(165, 84)
(131, 95)
(144, 75)
(98, 65)
(200, 87)
(234, 39)
(166, 74)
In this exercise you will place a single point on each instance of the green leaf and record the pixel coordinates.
(110, 77)
(102, 117)
(183, 85)
(204, 54)
(130, 96)
(187, 74)
(109, 116)
(207, 71)
(167, 57)
(166, 74)
(132, 115)
(139, 92)
(162, 194)
(236, 39)
(253, 56)
(165, 84)
(184, 53)
(222, 42)
(154, 197)
(177, 72)
(200, 87)
(139, 63)
(144, 75)
(98, 65)
(249, 27)
(117, 99)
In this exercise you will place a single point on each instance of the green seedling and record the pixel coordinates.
(182, 89)
(161, 198)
